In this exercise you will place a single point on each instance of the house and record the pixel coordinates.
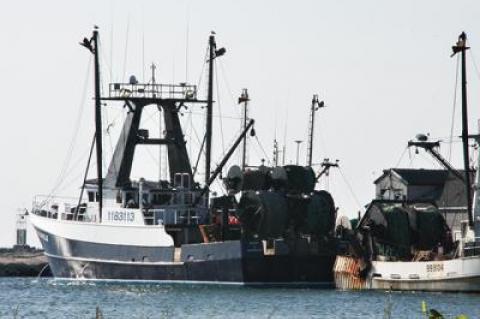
(439, 186)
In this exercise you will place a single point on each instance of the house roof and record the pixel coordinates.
(423, 176)
(448, 190)
(418, 176)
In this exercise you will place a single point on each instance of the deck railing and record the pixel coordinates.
(153, 91)
(60, 207)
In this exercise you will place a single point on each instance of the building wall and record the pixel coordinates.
(390, 187)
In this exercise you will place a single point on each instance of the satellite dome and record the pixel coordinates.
(133, 80)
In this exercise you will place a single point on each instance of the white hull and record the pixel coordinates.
(104, 233)
(460, 274)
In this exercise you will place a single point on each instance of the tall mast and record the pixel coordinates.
(461, 46)
(244, 99)
(213, 53)
(92, 46)
(208, 130)
(98, 124)
(315, 106)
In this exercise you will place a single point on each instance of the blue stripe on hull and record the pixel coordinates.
(274, 269)
(231, 261)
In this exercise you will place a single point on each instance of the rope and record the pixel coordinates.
(215, 116)
(187, 38)
(105, 61)
(58, 188)
(203, 68)
(149, 152)
(76, 129)
(198, 157)
(125, 54)
(350, 189)
(263, 150)
(452, 125)
(429, 159)
(105, 131)
(227, 84)
(220, 119)
(410, 157)
(475, 65)
(401, 156)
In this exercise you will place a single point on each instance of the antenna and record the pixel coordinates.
(275, 152)
(187, 36)
(284, 148)
(316, 105)
(244, 99)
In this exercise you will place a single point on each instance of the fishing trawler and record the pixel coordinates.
(279, 232)
(404, 245)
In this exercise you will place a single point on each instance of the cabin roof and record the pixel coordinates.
(448, 190)
(418, 176)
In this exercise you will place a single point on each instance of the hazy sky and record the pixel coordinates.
(382, 67)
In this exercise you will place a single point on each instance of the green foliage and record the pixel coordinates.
(434, 314)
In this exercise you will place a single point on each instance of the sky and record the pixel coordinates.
(383, 69)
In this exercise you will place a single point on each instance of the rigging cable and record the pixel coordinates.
(199, 82)
(350, 189)
(85, 176)
(410, 158)
(187, 37)
(199, 155)
(452, 125)
(143, 46)
(219, 108)
(59, 186)
(477, 72)
(225, 79)
(263, 150)
(76, 129)
(105, 62)
(111, 40)
(401, 156)
(125, 54)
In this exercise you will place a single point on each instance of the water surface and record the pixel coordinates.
(49, 298)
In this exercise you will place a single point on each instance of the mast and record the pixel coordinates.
(461, 46)
(315, 106)
(92, 46)
(244, 99)
(208, 129)
(98, 125)
(213, 53)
